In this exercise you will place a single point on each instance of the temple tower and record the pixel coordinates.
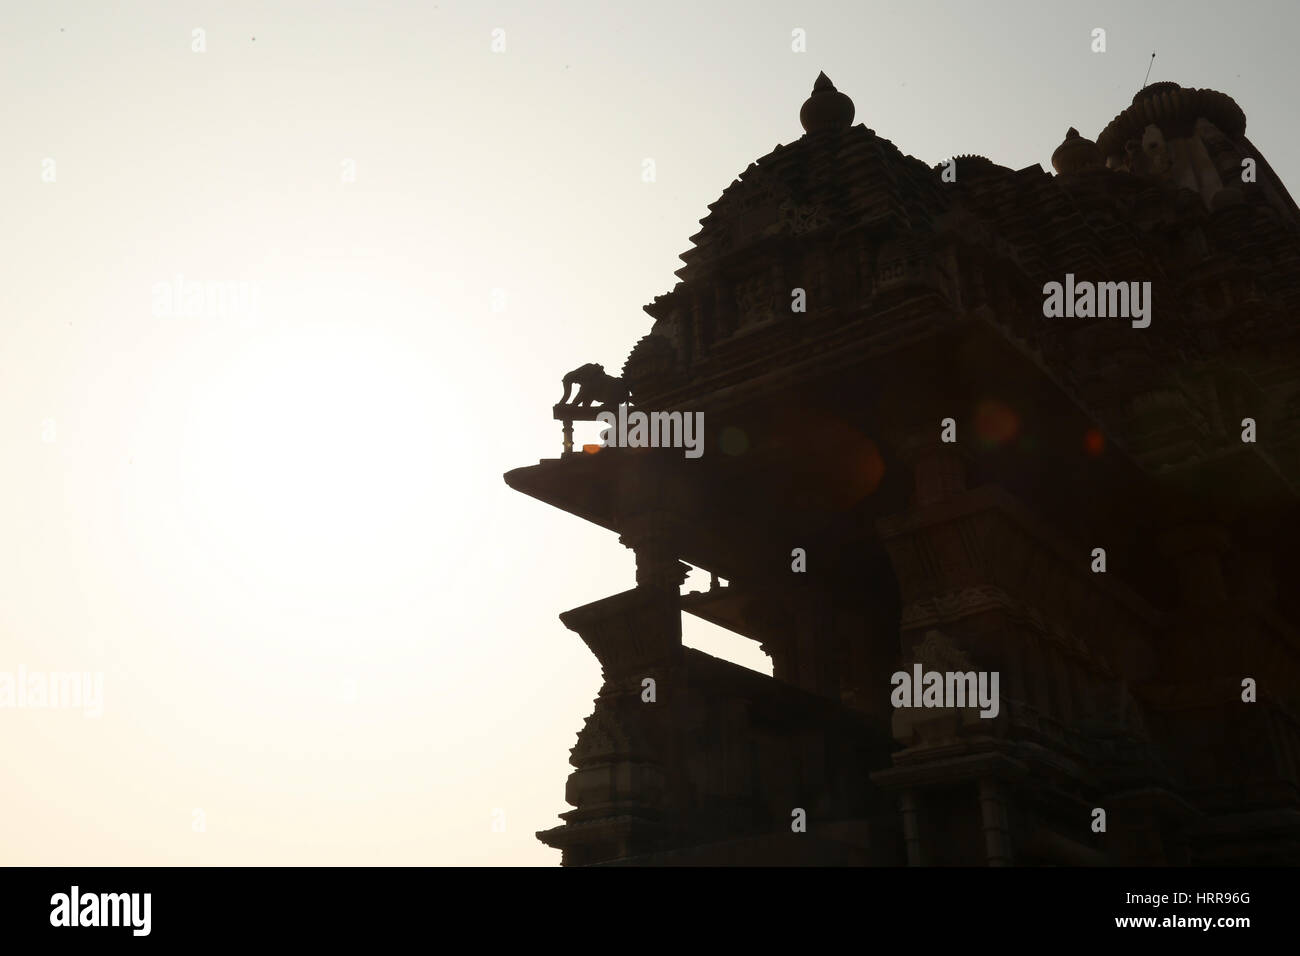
(865, 336)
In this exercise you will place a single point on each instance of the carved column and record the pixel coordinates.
(993, 815)
(911, 828)
(938, 468)
(621, 779)
(657, 567)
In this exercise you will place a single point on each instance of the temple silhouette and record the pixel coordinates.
(1103, 514)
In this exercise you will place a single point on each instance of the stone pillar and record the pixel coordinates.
(911, 828)
(657, 567)
(939, 469)
(629, 632)
(622, 759)
(993, 815)
(649, 502)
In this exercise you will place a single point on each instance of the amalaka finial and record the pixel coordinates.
(827, 110)
(1076, 154)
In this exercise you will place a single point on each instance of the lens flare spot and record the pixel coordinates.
(1094, 442)
(996, 423)
(734, 441)
(840, 466)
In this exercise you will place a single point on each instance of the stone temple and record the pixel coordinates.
(1105, 516)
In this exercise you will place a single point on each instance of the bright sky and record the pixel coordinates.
(327, 629)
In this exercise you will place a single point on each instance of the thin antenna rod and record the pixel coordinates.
(1144, 79)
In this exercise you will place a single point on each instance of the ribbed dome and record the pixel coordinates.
(1173, 108)
(1076, 153)
(827, 110)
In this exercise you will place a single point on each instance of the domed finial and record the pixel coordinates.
(827, 110)
(1076, 153)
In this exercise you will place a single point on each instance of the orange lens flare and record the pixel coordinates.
(996, 423)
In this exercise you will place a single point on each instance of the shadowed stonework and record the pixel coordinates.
(841, 303)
